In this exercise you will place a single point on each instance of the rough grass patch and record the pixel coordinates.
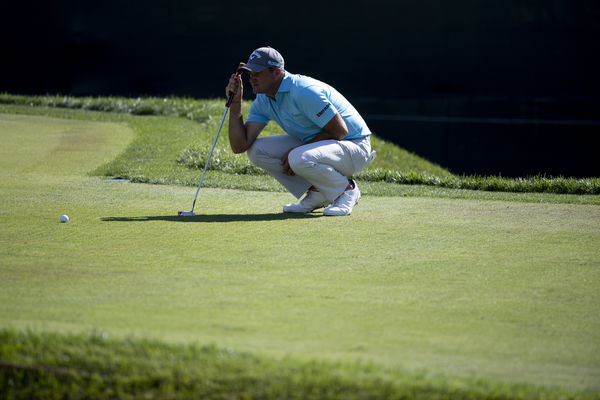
(535, 184)
(51, 366)
(392, 165)
(222, 160)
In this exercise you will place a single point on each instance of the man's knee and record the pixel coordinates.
(258, 152)
(300, 158)
(253, 153)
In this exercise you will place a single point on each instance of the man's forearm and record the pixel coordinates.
(335, 129)
(237, 129)
(324, 135)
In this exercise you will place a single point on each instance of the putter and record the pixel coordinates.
(229, 100)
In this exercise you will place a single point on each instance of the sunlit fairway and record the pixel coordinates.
(503, 291)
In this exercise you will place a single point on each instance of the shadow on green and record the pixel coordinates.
(214, 217)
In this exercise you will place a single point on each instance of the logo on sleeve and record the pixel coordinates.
(323, 110)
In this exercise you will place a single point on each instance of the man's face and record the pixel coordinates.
(264, 81)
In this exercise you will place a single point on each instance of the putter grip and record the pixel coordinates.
(231, 94)
(229, 99)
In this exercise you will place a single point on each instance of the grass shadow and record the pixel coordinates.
(214, 217)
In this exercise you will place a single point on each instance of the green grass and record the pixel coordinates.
(393, 165)
(59, 366)
(206, 114)
(472, 293)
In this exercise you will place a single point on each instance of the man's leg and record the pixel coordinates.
(266, 153)
(328, 164)
(323, 166)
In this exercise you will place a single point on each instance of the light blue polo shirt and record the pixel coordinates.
(303, 106)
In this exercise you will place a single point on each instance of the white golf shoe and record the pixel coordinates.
(345, 202)
(309, 203)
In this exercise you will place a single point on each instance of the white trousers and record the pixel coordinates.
(326, 165)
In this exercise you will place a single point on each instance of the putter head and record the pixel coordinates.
(186, 214)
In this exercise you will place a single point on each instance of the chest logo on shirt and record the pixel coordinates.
(323, 110)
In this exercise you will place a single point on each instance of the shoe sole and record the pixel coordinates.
(341, 215)
(304, 212)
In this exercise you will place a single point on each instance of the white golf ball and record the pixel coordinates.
(64, 218)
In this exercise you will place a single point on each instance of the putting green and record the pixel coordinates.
(505, 291)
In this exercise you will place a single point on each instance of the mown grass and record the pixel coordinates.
(500, 293)
(393, 165)
(51, 366)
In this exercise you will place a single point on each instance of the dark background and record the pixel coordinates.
(506, 87)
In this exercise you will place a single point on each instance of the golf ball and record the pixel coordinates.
(64, 218)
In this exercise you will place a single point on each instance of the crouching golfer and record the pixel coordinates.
(327, 141)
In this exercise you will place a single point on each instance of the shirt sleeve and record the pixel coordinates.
(256, 114)
(316, 105)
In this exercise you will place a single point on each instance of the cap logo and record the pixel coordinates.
(255, 55)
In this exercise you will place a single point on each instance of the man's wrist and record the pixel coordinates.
(235, 112)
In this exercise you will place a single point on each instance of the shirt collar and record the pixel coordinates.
(284, 87)
(286, 82)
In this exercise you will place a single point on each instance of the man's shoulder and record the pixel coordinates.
(303, 85)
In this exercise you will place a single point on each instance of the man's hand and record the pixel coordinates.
(286, 164)
(241, 135)
(235, 86)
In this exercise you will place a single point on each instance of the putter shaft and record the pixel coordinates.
(209, 157)
(212, 149)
